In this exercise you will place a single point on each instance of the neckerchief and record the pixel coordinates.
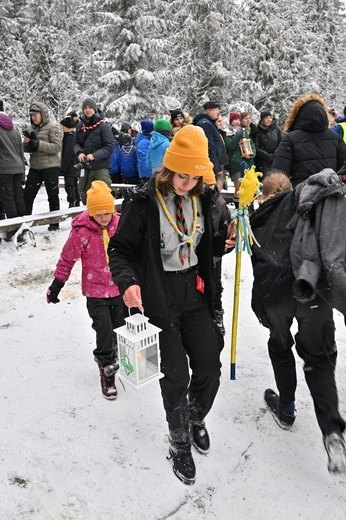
(183, 236)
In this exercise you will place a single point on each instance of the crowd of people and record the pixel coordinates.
(162, 256)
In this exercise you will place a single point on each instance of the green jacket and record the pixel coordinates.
(234, 154)
(49, 138)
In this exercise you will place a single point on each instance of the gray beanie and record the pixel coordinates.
(91, 103)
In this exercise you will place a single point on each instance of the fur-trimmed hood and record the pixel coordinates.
(309, 112)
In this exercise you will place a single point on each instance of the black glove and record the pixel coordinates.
(53, 291)
(33, 145)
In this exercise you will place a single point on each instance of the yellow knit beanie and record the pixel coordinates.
(188, 154)
(99, 199)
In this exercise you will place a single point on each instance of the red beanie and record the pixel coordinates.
(233, 116)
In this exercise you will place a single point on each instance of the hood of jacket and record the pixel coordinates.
(308, 113)
(36, 105)
(157, 138)
(317, 187)
(5, 121)
(139, 137)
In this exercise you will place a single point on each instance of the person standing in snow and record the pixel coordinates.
(159, 142)
(88, 240)
(206, 121)
(11, 169)
(142, 141)
(43, 141)
(309, 145)
(68, 127)
(267, 139)
(276, 307)
(161, 258)
(94, 145)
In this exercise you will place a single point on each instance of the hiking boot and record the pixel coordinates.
(183, 464)
(108, 387)
(284, 416)
(53, 227)
(199, 437)
(336, 450)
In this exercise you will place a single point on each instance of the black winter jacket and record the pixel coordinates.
(67, 156)
(267, 140)
(309, 146)
(273, 276)
(98, 141)
(135, 258)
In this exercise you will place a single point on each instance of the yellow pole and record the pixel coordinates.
(235, 314)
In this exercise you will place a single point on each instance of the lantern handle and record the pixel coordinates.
(129, 308)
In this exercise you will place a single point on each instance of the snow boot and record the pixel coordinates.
(183, 464)
(54, 227)
(108, 387)
(199, 437)
(335, 446)
(284, 416)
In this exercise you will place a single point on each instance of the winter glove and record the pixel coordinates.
(53, 291)
(33, 145)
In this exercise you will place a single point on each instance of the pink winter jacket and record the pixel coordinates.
(85, 241)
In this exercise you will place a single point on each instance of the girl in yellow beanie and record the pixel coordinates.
(88, 240)
(161, 258)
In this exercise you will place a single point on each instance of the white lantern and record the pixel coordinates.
(139, 354)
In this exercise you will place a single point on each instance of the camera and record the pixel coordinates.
(80, 166)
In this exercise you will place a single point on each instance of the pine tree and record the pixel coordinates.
(274, 55)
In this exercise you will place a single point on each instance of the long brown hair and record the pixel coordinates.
(164, 183)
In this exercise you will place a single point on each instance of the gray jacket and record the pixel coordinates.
(318, 249)
(11, 148)
(50, 139)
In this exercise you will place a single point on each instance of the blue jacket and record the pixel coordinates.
(127, 160)
(157, 148)
(142, 142)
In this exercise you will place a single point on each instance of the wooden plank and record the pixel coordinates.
(41, 219)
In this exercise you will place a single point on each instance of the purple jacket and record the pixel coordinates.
(85, 242)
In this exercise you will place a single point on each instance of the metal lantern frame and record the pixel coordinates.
(139, 351)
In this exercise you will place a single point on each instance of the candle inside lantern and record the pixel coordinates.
(142, 364)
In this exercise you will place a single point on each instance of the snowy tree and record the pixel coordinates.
(133, 78)
(274, 57)
(323, 20)
(202, 44)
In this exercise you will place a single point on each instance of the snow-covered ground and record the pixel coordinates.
(69, 454)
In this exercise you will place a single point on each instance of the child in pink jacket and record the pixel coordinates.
(88, 240)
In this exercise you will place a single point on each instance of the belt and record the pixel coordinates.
(184, 271)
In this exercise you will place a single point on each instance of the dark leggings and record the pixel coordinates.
(106, 315)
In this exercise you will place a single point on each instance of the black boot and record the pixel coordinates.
(183, 464)
(199, 437)
(284, 418)
(108, 387)
(53, 227)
